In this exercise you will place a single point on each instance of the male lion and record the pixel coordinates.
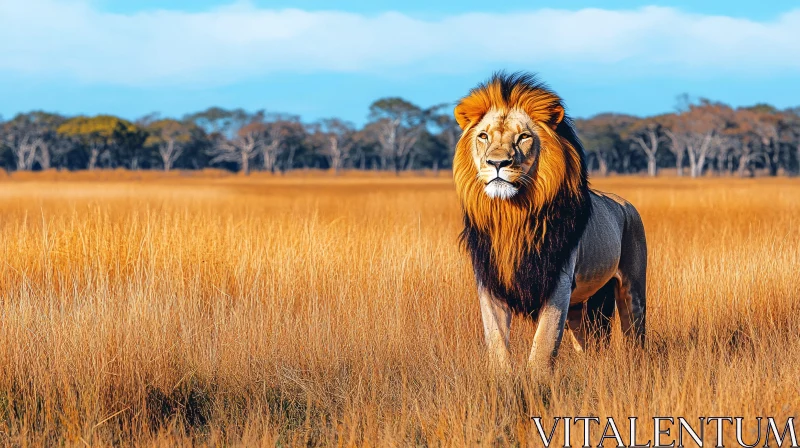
(541, 242)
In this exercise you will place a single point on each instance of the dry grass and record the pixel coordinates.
(214, 309)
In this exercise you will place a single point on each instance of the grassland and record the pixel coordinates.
(177, 310)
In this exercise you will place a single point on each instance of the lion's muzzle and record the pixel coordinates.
(499, 188)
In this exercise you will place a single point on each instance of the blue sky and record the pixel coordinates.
(319, 59)
(428, 8)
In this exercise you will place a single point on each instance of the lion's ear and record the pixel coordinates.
(462, 117)
(556, 115)
(470, 110)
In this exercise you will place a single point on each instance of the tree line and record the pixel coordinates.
(700, 137)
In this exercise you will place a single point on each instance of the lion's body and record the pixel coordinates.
(612, 252)
(541, 243)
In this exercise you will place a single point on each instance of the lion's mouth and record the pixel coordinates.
(500, 189)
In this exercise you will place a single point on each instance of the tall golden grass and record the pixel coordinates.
(270, 311)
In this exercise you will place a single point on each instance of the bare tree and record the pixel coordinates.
(170, 137)
(727, 153)
(29, 136)
(398, 124)
(277, 136)
(698, 148)
(749, 143)
(270, 152)
(335, 139)
(244, 147)
(677, 144)
(366, 145)
(677, 148)
(790, 134)
(763, 122)
(292, 135)
(645, 134)
(697, 130)
(24, 148)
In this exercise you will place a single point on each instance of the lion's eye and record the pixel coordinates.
(522, 138)
(483, 136)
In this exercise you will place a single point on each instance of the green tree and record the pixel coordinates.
(432, 150)
(447, 133)
(219, 121)
(105, 136)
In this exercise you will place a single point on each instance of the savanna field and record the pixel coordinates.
(170, 310)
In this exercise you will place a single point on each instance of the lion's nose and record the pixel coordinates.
(499, 163)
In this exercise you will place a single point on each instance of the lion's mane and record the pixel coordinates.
(518, 246)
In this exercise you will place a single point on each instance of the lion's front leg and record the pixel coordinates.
(552, 317)
(496, 327)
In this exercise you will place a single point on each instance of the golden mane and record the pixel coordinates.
(519, 225)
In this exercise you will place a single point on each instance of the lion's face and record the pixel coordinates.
(511, 154)
(505, 147)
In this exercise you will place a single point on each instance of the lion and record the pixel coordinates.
(542, 243)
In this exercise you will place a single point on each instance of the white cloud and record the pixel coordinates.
(70, 38)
